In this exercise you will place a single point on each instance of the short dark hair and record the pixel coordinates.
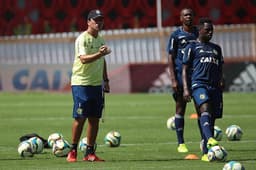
(204, 20)
(186, 8)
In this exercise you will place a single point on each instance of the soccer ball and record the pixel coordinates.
(61, 148)
(37, 144)
(234, 132)
(217, 153)
(113, 139)
(171, 123)
(83, 144)
(53, 137)
(217, 133)
(233, 165)
(25, 149)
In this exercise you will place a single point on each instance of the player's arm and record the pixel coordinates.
(222, 80)
(105, 78)
(186, 93)
(185, 72)
(171, 64)
(103, 50)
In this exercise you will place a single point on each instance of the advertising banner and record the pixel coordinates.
(35, 77)
(130, 78)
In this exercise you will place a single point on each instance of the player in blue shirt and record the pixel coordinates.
(203, 60)
(176, 45)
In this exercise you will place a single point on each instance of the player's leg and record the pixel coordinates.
(79, 119)
(77, 129)
(180, 122)
(203, 144)
(94, 114)
(202, 99)
(92, 131)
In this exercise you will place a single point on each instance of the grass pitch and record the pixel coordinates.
(141, 120)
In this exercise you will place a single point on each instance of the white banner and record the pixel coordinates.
(35, 77)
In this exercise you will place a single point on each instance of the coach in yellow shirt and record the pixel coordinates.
(89, 80)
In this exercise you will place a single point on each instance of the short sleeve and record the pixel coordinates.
(172, 44)
(80, 46)
(188, 54)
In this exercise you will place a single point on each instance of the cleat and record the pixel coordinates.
(182, 148)
(211, 142)
(72, 156)
(205, 158)
(92, 158)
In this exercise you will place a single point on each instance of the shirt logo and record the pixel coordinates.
(215, 52)
(183, 41)
(201, 51)
(209, 60)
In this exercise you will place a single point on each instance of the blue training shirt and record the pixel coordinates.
(177, 43)
(205, 61)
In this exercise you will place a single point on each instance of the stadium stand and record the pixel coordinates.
(46, 16)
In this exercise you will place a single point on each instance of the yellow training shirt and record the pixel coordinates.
(89, 73)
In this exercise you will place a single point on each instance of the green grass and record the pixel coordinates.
(141, 120)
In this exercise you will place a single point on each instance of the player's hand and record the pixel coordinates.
(186, 96)
(175, 86)
(106, 87)
(222, 84)
(104, 50)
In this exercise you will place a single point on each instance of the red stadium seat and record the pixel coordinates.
(149, 7)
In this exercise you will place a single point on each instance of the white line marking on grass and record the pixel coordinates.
(175, 143)
(144, 117)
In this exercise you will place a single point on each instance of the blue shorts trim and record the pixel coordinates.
(209, 94)
(88, 101)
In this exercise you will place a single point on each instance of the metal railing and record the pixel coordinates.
(128, 46)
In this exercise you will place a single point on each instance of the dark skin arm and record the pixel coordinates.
(186, 92)
(172, 73)
(222, 81)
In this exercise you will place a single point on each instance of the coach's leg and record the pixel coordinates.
(77, 129)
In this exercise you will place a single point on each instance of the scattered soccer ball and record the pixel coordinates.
(83, 144)
(217, 133)
(233, 165)
(61, 148)
(171, 123)
(113, 139)
(234, 132)
(25, 149)
(37, 145)
(217, 153)
(53, 137)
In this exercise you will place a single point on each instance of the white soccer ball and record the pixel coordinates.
(25, 149)
(61, 148)
(171, 123)
(217, 153)
(37, 144)
(113, 139)
(53, 137)
(83, 144)
(234, 132)
(233, 165)
(217, 133)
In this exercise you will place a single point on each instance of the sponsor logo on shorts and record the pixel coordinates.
(202, 96)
